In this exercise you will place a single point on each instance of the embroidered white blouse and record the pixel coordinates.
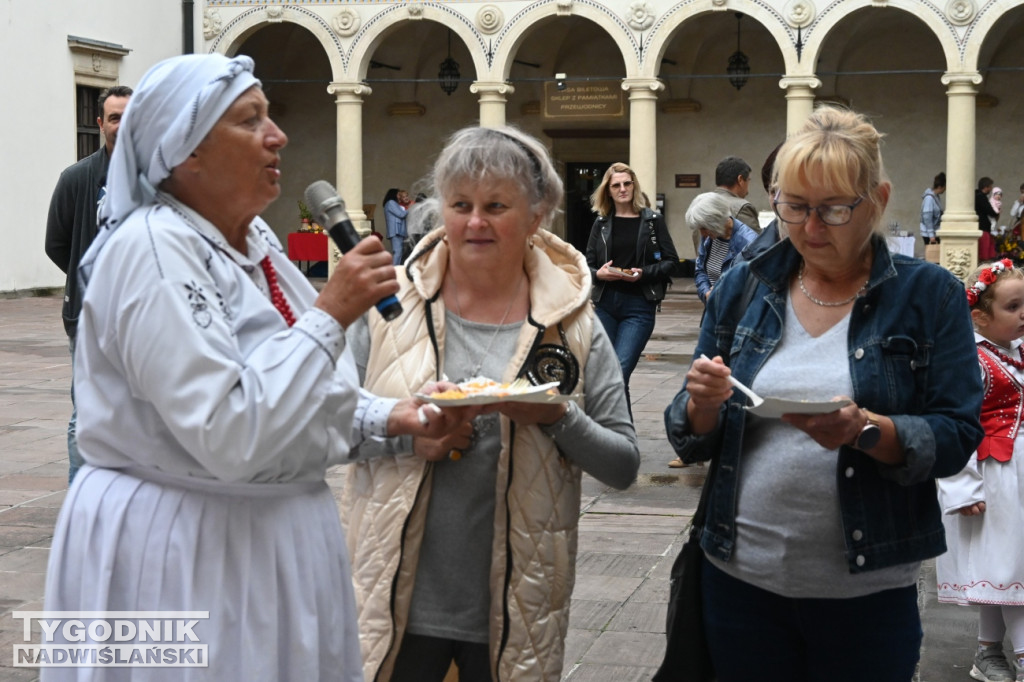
(184, 365)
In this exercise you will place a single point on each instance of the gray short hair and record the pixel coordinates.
(476, 154)
(708, 211)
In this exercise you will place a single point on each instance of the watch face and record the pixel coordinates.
(869, 437)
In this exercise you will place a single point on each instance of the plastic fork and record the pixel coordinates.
(755, 399)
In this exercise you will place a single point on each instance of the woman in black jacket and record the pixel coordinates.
(631, 258)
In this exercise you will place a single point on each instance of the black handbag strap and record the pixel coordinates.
(733, 314)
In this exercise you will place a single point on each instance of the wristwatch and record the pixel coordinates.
(870, 434)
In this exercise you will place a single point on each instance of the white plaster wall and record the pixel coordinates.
(37, 118)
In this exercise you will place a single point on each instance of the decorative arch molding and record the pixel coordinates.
(952, 38)
(375, 29)
(251, 20)
(518, 27)
(664, 28)
(978, 31)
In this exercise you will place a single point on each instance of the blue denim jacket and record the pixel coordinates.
(912, 358)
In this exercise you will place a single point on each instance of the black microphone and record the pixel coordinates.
(329, 210)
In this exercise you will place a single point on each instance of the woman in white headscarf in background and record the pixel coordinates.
(215, 388)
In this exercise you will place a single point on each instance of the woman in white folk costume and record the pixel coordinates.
(469, 552)
(215, 387)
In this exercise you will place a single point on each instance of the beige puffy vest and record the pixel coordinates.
(385, 500)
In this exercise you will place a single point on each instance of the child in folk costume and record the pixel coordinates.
(983, 505)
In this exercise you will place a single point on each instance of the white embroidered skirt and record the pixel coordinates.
(267, 561)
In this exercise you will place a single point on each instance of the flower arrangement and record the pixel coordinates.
(1011, 244)
(987, 278)
(308, 224)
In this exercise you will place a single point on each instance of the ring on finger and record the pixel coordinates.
(455, 454)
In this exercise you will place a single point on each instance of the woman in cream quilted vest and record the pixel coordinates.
(463, 548)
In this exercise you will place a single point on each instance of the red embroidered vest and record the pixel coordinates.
(1002, 409)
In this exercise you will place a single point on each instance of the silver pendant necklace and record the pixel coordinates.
(458, 309)
(826, 304)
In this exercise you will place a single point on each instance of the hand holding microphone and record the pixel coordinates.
(365, 275)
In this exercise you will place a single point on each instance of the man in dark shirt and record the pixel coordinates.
(71, 226)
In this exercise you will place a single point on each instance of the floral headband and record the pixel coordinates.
(987, 278)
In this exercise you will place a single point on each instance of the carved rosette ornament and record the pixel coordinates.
(212, 24)
(640, 16)
(800, 12)
(345, 22)
(489, 19)
(961, 12)
(275, 14)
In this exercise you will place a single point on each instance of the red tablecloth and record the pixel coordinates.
(307, 246)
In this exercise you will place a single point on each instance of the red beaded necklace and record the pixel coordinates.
(1017, 364)
(276, 295)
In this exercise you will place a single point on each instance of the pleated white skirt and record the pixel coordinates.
(985, 560)
(267, 561)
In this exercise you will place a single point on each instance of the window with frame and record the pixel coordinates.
(86, 113)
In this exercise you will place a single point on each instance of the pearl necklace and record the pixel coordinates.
(827, 304)
(458, 309)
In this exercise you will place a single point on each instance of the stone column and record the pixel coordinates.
(799, 100)
(643, 135)
(959, 229)
(348, 97)
(493, 96)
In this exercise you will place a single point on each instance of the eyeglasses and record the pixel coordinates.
(830, 214)
(627, 183)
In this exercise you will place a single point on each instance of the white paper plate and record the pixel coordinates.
(531, 394)
(773, 408)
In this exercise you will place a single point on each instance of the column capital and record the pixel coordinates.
(642, 86)
(968, 78)
(491, 88)
(350, 90)
(802, 82)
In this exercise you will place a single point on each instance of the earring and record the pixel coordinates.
(529, 241)
(444, 238)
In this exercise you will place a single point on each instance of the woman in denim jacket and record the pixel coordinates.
(817, 523)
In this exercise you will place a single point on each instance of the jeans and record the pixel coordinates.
(629, 321)
(75, 460)
(427, 659)
(754, 634)
(396, 250)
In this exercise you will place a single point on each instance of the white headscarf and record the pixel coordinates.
(173, 108)
(996, 199)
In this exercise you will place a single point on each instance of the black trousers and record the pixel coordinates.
(427, 659)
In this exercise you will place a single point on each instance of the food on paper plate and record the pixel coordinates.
(481, 386)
